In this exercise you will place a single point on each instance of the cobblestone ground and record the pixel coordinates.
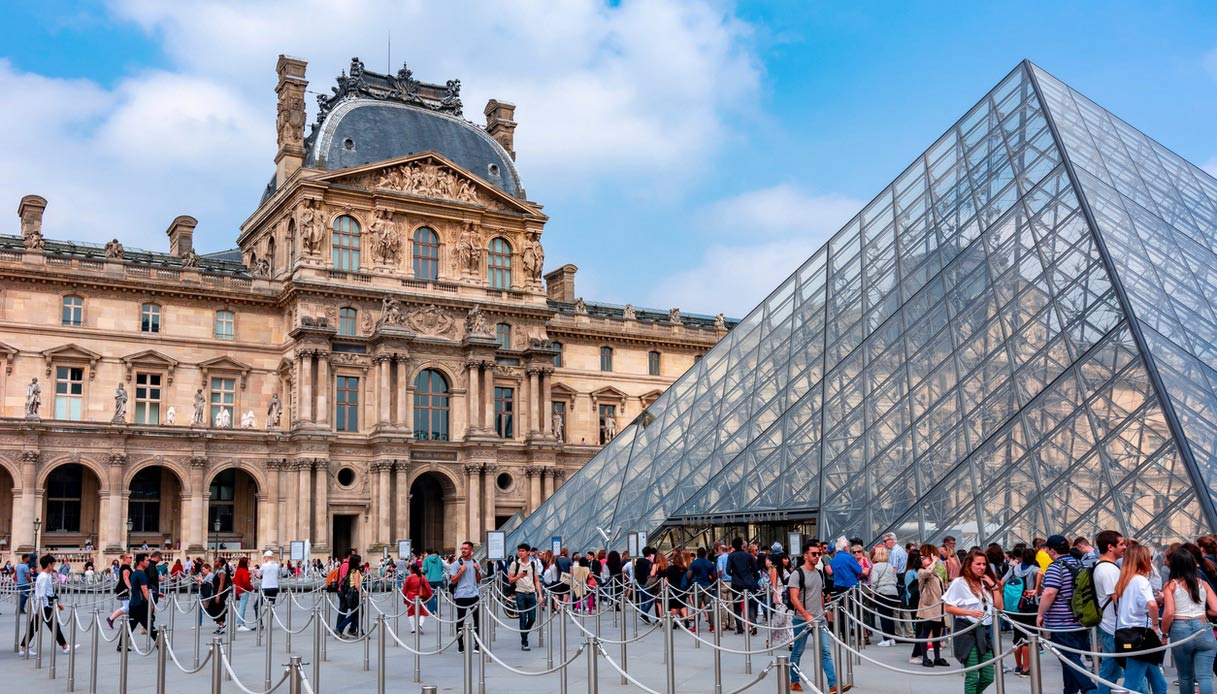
(343, 668)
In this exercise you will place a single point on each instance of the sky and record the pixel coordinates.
(689, 154)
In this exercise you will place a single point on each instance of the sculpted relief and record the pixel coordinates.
(430, 321)
(426, 179)
(385, 241)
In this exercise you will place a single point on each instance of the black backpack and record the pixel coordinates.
(802, 591)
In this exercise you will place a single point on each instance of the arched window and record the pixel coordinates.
(270, 253)
(426, 254)
(559, 355)
(346, 321)
(498, 264)
(345, 244)
(430, 406)
(502, 334)
(73, 310)
(606, 358)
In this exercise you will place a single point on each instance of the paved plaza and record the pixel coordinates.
(343, 668)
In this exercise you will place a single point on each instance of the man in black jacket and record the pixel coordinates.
(642, 572)
(745, 576)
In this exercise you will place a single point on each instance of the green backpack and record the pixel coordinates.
(1085, 601)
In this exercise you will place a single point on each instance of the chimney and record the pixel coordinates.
(560, 284)
(181, 235)
(290, 123)
(30, 211)
(501, 124)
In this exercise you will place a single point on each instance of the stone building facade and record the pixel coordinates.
(381, 358)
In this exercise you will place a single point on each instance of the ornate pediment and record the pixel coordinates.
(563, 390)
(226, 365)
(150, 359)
(608, 393)
(427, 175)
(71, 353)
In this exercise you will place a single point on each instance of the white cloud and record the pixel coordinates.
(637, 96)
(780, 227)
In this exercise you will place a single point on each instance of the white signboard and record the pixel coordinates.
(795, 540)
(642, 540)
(297, 550)
(496, 545)
(633, 537)
(556, 545)
(404, 550)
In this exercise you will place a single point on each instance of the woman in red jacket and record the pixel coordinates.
(416, 586)
(244, 589)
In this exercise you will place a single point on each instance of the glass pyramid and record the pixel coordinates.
(1015, 338)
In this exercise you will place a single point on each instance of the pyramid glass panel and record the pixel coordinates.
(1016, 337)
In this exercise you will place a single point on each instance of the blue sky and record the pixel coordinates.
(688, 154)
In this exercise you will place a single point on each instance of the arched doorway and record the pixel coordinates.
(429, 498)
(232, 510)
(71, 507)
(154, 508)
(6, 511)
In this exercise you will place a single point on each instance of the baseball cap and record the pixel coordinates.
(268, 553)
(1058, 543)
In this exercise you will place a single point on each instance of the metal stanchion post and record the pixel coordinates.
(859, 636)
(367, 645)
(718, 655)
(258, 627)
(270, 647)
(1096, 662)
(94, 651)
(294, 679)
(54, 639)
(230, 626)
(483, 625)
(562, 634)
(696, 620)
(624, 654)
(17, 620)
(845, 638)
(288, 636)
(998, 677)
(72, 653)
(217, 667)
(418, 639)
(747, 634)
(783, 675)
(817, 644)
(593, 676)
(382, 646)
(318, 627)
(37, 636)
(161, 663)
(198, 629)
(1033, 663)
(549, 642)
(467, 641)
(669, 649)
(124, 645)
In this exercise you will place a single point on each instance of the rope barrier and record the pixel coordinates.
(233, 676)
(482, 646)
(932, 673)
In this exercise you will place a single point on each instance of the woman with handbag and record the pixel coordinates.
(416, 592)
(887, 594)
(1137, 622)
(1187, 600)
(1022, 582)
(930, 587)
(974, 597)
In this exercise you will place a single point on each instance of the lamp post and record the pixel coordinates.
(216, 537)
(37, 536)
(130, 527)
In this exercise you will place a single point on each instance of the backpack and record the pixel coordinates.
(331, 581)
(1085, 602)
(1012, 592)
(802, 591)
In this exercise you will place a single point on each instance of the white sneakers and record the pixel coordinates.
(886, 643)
(27, 651)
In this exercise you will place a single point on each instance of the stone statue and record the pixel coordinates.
(476, 323)
(223, 419)
(580, 307)
(33, 398)
(120, 405)
(390, 312)
(533, 259)
(386, 244)
(610, 428)
(261, 268)
(190, 259)
(720, 322)
(171, 416)
(558, 424)
(309, 224)
(114, 250)
(469, 250)
(248, 420)
(274, 411)
(674, 316)
(35, 242)
(628, 313)
(200, 404)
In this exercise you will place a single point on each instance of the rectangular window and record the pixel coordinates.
(347, 402)
(69, 392)
(223, 399)
(226, 325)
(502, 335)
(560, 410)
(608, 423)
(653, 363)
(606, 358)
(64, 490)
(150, 318)
(147, 398)
(73, 310)
(558, 356)
(504, 412)
(144, 504)
(346, 321)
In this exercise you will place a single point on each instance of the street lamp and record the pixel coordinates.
(37, 535)
(130, 527)
(216, 538)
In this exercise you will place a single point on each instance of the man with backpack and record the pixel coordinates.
(1110, 546)
(522, 575)
(805, 597)
(1057, 613)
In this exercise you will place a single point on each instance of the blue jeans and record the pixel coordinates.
(1194, 659)
(433, 603)
(526, 605)
(242, 603)
(1110, 669)
(1074, 681)
(23, 590)
(1138, 672)
(645, 600)
(802, 633)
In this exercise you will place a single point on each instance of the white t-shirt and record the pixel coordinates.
(960, 595)
(1105, 576)
(270, 574)
(1134, 604)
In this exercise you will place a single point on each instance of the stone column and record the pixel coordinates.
(321, 513)
(547, 485)
(113, 520)
(323, 389)
(266, 520)
(306, 385)
(304, 501)
(270, 520)
(473, 500)
(25, 508)
(196, 537)
(401, 481)
(384, 522)
(490, 487)
(473, 396)
(534, 474)
(488, 396)
(384, 391)
(528, 387)
(547, 377)
(400, 390)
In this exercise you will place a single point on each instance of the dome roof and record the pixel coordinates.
(360, 131)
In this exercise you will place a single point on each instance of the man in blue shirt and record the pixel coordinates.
(23, 582)
(141, 596)
(701, 576)
(846, 570)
